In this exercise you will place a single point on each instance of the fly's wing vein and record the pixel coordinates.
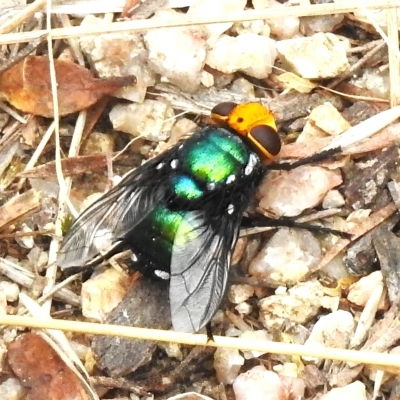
(199, 269)
(110, 219)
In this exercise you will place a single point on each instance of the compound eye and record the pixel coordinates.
(223, 109)
(267, 139)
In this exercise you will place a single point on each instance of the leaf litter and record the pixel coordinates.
(279, 292)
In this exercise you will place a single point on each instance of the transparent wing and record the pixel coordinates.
(103, 225)
(199, 268)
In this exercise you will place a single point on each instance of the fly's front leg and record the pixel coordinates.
(318, 157)
(258, 220)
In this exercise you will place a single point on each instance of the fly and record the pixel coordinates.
(181, 212)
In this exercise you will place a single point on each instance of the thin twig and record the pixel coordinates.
(12, 112)
(359, 63)
(365, 47)
(73, 43)
(361, 5)
(35, 156)
(28, 49)
(21, 17)
(373, 220)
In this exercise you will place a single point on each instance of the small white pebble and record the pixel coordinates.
(10, 289)
(286, 258)
(354, 391)
(207, 79)
(254, 336)
(172, 350)
(287, 369)
(281, 290)
(3, 303)
(243, 86)
(103, 293)
(322, 23)
(177, 53)
(251, 53)
(320, 56)
(240, 293)
(360, 292)
(244, 308)
(333, 199)
(151, 119)
(118, 54)
(9, 335)
(329, 119)
(98, 143)
(26, 242)
(359, 216)
(183, 396)
(282, 193)
(258, 383)
(377, 82)
(282, 28)
(298, 305)
(333, 330)
(227, 364)
(182, 127)
(203, 7)
(11, 389)
(231, 331)
(80, 349)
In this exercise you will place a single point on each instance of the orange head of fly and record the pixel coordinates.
(252, 121)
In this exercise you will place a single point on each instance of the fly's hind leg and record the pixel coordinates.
(210, 336)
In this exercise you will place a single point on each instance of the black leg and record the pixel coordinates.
(259, 220)
(304, 161)
(210, 336)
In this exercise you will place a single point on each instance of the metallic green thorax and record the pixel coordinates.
(215, 158)
(205, 164)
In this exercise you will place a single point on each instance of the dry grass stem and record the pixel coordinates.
(370, 358)
(247, 15)
(51, 271)
(394, 59)
(365, 129)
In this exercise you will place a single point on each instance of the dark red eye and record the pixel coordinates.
(267, 138)
(223, 109)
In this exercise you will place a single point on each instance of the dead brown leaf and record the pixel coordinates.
(40, 369)
(27, 86)
(70, 166)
